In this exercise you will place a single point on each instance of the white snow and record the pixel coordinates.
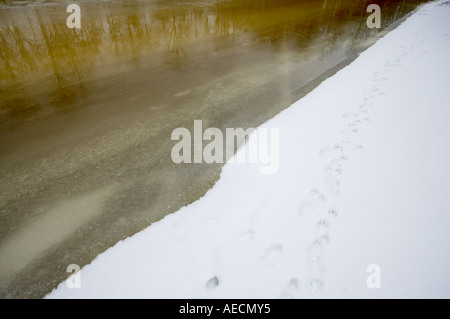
(364, 179)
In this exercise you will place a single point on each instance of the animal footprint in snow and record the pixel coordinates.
(333, 184)
(322, 227)
(292, 289)
(323, 223)
(316, 266)
(212, 283)
(316, 196)
(338, 147)
(343, 158)
(316, 248)
(334, 171)
(331, 181)
(273, 253)
(316, 285)
(333, 212)
(315, 262)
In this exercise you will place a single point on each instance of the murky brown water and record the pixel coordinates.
(86, 115)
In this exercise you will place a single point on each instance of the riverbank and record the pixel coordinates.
(86, 116)
(363, 181)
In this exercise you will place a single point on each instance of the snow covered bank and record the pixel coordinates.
(363, 179)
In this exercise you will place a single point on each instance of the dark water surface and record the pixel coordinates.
(86, 115)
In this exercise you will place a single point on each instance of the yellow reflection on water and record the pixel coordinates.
(44, 64)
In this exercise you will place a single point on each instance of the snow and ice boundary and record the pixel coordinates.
(364, 179)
